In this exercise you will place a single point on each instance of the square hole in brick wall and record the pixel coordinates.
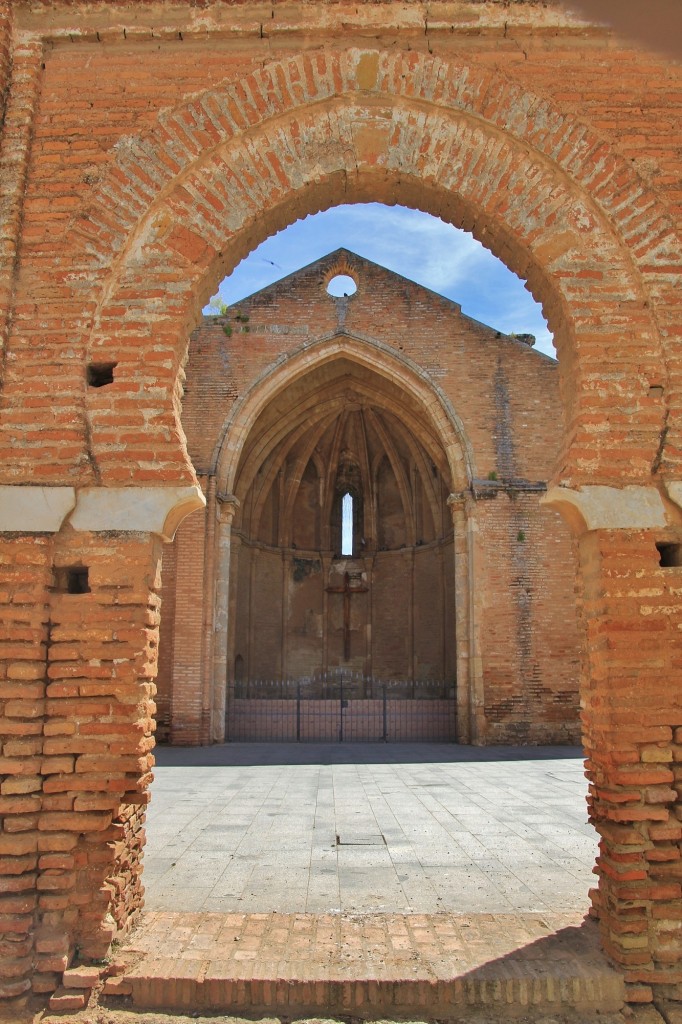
(73, 580)
(669, 555)
(101, 374)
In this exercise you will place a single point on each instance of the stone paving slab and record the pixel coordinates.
(432, 966)
(360, 828)
(409, 880)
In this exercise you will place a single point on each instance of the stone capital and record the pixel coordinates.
(136, 509)
(674, 491)
(458, 503)
(227, 506)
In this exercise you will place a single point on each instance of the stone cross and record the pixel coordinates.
(347, 589)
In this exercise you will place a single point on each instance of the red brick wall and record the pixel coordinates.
(77, 707)
(470, 362)
(187, 631)
(26, 628)
(98, 735)
(167, 632)
(530, 643)
(632, 723)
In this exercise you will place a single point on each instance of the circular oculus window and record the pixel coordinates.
(341, 285)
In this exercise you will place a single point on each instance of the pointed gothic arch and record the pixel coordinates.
(367, 352)
(439, 426)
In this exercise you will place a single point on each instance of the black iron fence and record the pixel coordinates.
(341, 707)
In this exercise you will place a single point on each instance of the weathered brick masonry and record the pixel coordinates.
(146, 148)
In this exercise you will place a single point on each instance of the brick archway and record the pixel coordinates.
(177, 207)
(220, 174)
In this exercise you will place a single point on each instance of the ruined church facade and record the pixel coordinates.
(450, 612)
(145, 149)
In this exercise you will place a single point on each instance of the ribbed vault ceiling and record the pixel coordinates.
(343, 414)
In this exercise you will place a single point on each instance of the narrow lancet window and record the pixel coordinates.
(347, 525)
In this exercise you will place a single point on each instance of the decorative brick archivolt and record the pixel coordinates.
(342, 268)
(537, 186)
(17, 113)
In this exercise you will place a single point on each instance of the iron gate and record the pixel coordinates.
(338, 708)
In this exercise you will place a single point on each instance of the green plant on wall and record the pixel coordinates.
(219, 308)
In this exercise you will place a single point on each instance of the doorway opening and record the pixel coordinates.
(301, 603)
(196, 184)
(438, 608)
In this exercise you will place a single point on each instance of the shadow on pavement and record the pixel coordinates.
(255, 754)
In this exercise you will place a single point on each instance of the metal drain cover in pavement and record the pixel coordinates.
(361, 839)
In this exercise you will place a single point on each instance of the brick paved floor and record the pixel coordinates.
(422, 828)
(413, 966)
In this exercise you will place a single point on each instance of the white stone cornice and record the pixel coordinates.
(137, 509)
(32, 509)
(598, 507)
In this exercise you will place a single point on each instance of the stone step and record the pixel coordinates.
(397, 966)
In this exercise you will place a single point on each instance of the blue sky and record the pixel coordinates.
(411, 243)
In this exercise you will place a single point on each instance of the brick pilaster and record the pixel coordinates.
(25, 565)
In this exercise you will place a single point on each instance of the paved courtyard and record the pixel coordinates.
(357, 828)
